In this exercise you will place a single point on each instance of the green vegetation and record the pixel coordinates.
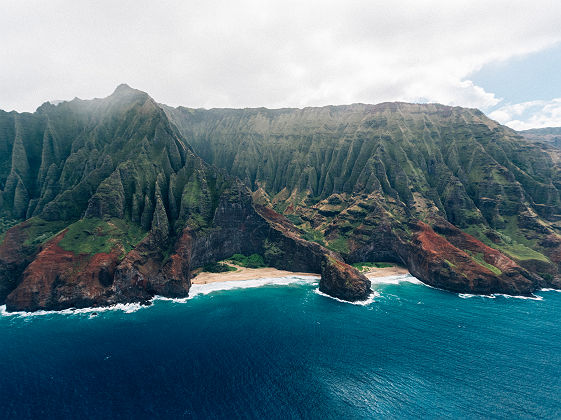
(546, 276)
(508, 244)
(39, 231)
(364, 266)
(339, 245)
(253, 261)
(450, 263)
(478, 257)
(521, 252)
(272, 251)
(314, 236)
(294, 219)
(5, 224)
(516, 244)
(218, 267)
(92, 236)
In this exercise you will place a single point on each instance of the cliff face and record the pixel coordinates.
(109, 201)
(58, 279)
(549, 135)
(362, 179)
(119, 208)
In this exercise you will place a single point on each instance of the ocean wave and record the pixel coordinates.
(533, 297)
(396, 279)
(495, 295)
(469, 295)
(196, 289)
(366, 302)
(123, 307)
(545, 289)
(205, 289)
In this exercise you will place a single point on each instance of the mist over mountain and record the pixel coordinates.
(119, 199)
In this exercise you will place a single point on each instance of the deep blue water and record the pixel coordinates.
(287, 352)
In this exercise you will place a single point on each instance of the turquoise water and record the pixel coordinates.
(285, 351)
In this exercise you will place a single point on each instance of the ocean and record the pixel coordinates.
(283, 350)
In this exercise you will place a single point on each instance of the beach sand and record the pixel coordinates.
(268, 272)
(396, 270)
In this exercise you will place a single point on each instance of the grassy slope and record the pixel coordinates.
(93, 235)
(430, 159)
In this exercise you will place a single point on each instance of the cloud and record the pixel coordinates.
(532, 114)
(265, 53)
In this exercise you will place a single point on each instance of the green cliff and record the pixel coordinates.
(118, 199)
(356, 177)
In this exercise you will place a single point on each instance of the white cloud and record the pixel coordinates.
(532, 114)
(264, 53)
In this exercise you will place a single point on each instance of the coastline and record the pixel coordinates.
(243, 274)
(396, 270)
(223, 281)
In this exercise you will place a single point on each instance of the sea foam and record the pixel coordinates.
(399, 278)
(495, 295)
(195, 290)
(205, 289)
(124, 307)
(365, 302)
(396, 279)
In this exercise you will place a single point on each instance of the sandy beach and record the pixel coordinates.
(396, 270)
(258, 273)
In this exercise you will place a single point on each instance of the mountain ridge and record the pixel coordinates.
(118, 208)
(118, 199)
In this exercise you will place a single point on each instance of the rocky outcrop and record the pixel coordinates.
(58, 279)
(342, 281)
(15, 255)
(338, 279)
(443, 256)
(447, 261)
(394, 181)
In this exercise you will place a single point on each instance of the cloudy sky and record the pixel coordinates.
(500, 56)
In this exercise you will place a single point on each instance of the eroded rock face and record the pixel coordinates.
(338, 279)
(144, 273)
(354, 177)
(443, 256)
(14, 257)
(59, 279)
(342, 281)
(437, 261)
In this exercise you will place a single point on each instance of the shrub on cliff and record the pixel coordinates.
(217, 268)
(253, 261)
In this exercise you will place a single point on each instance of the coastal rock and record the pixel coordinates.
(456, 261)
(338, 279)
(15, 255)
(443, 256)
(59, 279)
(126, 176)
(342, 281)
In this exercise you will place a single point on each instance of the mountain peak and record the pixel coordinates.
(125, 90)
(123, 87)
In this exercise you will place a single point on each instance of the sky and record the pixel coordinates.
(502, 57)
